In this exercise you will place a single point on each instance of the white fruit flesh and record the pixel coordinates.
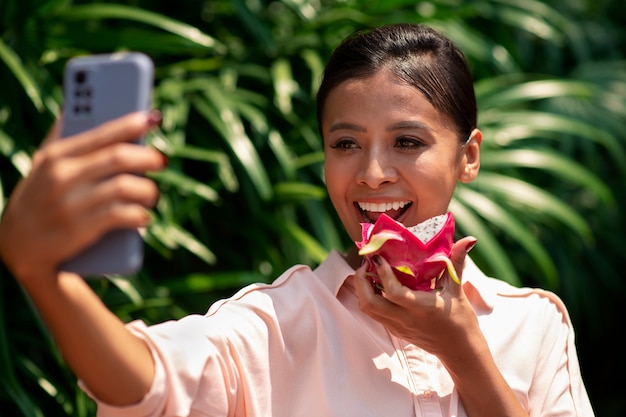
(427, 229)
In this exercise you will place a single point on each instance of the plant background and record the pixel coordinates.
(243, 197)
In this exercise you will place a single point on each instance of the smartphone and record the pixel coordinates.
(96, 89)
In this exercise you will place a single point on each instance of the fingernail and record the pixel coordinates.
(155, 118)
(470, 245)
(166, 159)
(377, 261)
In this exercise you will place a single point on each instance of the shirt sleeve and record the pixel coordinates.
(184, 357)
(219, 363)
(558, 390)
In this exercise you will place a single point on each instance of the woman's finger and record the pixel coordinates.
(107, 162)
(77, 184)
(121, 189)
(65, 225)
(370, 300)
(457, 257)
(127, 128)
(112, 216)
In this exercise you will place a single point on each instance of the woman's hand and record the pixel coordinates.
(436, 321)
(444, 324)
(79, 188)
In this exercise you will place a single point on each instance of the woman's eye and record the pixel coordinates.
(408, 142)
(344, 144)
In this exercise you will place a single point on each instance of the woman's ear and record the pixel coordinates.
(470, 161)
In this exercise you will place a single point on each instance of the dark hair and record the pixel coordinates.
(416, 54)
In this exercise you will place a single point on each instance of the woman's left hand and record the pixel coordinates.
(437, 321)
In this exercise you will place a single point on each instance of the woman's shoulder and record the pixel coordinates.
(298, 286)
(495, 293)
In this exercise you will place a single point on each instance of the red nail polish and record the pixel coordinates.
(470, 245)
(155, 118)
(166, 159)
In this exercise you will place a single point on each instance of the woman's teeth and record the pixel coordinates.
(372, 211)
(382, 207)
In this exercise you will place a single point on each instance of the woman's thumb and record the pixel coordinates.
(460, 250)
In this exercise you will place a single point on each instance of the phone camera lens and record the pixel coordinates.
(80, 77)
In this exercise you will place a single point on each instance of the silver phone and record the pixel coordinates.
(96, 89)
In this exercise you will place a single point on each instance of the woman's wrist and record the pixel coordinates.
(481, 386)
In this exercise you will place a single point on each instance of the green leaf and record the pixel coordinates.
(198, 283)
(495, 93)
(118, 11)
(19, 158)
(298, 191)
(14, 63)
(9, 381)
(527, 197)
(506, 128)
(512, 227)
(304, 239)
(254, 25)
(173, 235)
(475, 44)
(284, 85)
(548, 161)
(312, 158)
(127, 287)
(316, 64)
(283, 153)
(224, 167)
(185, 184)
(233, 132)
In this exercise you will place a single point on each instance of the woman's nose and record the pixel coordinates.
(377, 171)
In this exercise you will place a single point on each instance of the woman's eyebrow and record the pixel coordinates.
(409, 125)
(395, 126)
(346, 126)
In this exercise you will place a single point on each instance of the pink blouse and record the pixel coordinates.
(301, 347)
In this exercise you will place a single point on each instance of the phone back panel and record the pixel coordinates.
(99, 88)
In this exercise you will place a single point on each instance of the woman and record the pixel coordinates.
(397, 113)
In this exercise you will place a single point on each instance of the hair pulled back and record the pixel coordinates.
(417, 55)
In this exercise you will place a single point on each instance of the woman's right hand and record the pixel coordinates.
(79, 188)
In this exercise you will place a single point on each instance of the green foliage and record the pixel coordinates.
(243, 197)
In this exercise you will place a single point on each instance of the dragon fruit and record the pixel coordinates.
(418, 255)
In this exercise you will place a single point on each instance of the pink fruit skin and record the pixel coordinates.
(423, 259)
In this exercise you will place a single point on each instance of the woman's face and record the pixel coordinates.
(388, 150)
